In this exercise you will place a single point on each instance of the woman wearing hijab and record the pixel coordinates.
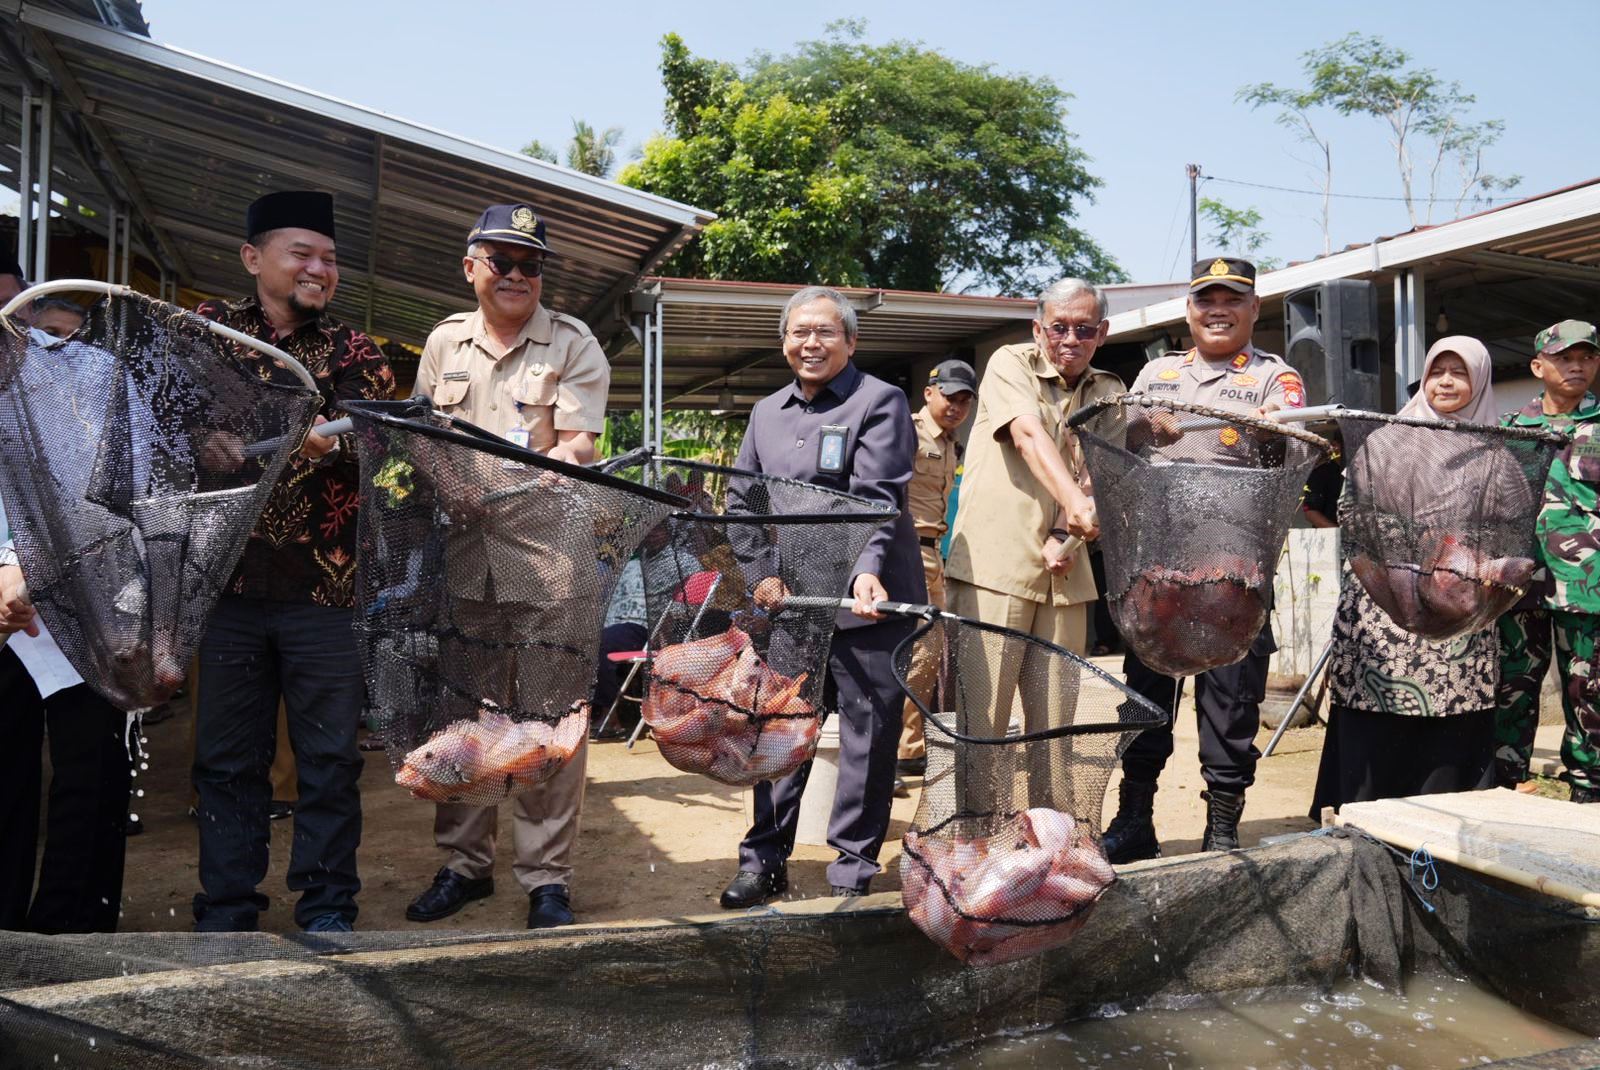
(1411, 716)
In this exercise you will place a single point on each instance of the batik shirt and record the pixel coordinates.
(303, 548)
(1569, 520)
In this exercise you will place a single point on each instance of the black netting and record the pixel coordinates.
(736, 673)
(135, 458)
(484, 575)
(1194, 506)
(1438, 517)
(1003, 859)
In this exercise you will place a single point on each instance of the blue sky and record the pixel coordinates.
(1153, 83)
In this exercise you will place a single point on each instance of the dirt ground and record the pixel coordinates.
(655, 843)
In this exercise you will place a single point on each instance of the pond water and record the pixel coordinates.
(1437, 1022)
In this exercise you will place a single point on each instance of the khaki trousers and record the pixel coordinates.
(924, 662)
(544, 828)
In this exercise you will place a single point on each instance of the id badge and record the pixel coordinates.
(518, 436)
(830, 448)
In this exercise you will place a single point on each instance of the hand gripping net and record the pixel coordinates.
(735, 685)
(484, 574)
(1003, 859)
(1194, 505)
(1438, 517)
(135, 458)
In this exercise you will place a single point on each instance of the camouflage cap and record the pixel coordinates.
(1564, 335)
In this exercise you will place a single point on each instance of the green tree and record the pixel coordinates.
(590, 151)
(1237, 231)
(856, 164)
(1295, 108)
(540, 151)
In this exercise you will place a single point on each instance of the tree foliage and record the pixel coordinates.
(1236, 231)
(858, 164)
(590, 151)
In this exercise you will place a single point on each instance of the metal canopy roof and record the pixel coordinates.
(188, 142)
(726, 333)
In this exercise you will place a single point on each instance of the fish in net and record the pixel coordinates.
(1437, 517)
(744, 618)
(1194, 505)
(135, 459)
(484, 574)
(1003, 859)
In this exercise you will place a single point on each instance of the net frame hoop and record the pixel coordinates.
(871, 510)
(1527, 434)
(1062, 731)
(463, 433)
(1244, 419)
(111, 289)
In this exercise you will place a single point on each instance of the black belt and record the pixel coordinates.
(928, 541)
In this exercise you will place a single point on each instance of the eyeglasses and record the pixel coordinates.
(823, 334)
(1082, 331)
(531, 268)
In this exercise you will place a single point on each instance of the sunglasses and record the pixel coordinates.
(1082, 331)
(531, 268)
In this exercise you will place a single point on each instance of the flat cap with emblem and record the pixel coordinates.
(510, 224)
(1231, 272)
(953, 377)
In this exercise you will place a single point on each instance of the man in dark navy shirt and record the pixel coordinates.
(836, 427)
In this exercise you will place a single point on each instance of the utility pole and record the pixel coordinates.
(1193, 171)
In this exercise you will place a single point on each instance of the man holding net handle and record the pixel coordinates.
(283, 626)
(538, 379)
(836, 427)
(1224, 370)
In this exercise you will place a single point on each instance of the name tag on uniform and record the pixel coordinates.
(457, 377)
(830, 448)
(518, 436)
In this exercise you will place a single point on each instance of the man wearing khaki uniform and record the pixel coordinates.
(1023, 493)
(947, 398)
(539, 379)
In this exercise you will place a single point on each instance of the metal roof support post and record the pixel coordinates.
(1410, 330)
(113, 232)
(661, 385)
(25, 185)
(41, 234)
(646, 403)
(127, 247)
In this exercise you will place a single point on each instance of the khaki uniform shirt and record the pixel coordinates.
(932, 475)
(1005, 513)
(555, 376)
(1246, 382)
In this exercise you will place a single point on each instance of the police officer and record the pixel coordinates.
(837, 427)
(1225, 371)
(947, 399)
(539, 379)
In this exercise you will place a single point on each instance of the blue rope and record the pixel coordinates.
(1422, 863)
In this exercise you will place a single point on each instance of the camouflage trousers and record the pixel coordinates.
(1527, 640)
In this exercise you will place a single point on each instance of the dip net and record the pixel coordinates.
(1194, 506)
(743, 608)
(1438, 517)
(135, 459)
(1003, 858)
(484, 574)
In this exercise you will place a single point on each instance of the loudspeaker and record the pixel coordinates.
(1332, 332)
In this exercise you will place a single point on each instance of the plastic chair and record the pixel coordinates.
(695, 592)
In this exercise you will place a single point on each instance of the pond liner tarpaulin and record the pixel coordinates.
(802, 984)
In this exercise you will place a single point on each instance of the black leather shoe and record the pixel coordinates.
(448, 893)
(549, 906)
(1581, 794)
(750, 889)
(911, 766)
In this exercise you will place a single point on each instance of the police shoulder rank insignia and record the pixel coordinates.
(1169, 375)
(1245, 380)
(1228, 436)
(1219, 266)
(1188, 358)
(524, 220)
(1242, 359)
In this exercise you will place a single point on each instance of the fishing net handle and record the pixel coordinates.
(904, 650)
(1526, 434)
(871, 511)
(1227, 416)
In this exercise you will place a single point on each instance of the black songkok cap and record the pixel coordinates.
(303, 209)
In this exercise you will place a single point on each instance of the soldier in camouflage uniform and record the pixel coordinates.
(1564, 602)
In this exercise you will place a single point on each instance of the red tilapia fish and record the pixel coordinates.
(1019, 891)
(1183, 622)
(1453, 591)
(491, 757)
(715, 707)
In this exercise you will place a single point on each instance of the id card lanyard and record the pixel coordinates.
(518, 435)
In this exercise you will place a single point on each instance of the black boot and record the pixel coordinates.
(1131, 836)
(1581, 794)
(1222, 820)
